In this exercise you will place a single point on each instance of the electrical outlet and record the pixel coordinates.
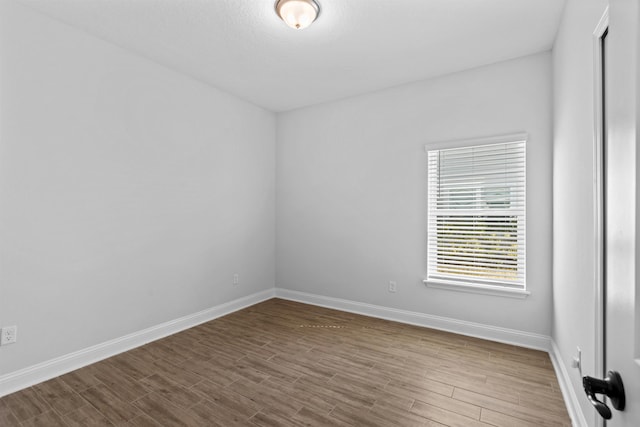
(577, 360)
(236, 279)
(9, 335)
(393, 286)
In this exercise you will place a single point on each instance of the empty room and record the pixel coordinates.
(319, 213)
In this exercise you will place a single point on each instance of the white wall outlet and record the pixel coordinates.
(577, 360)
(9, 335)
(393, 286)
(236, 279)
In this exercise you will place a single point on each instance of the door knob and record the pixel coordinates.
(611, 386)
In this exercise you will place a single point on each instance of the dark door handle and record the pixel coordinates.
(611, 386)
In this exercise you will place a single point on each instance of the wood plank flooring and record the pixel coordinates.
(281, 363)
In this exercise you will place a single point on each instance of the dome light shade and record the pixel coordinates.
(297, 14)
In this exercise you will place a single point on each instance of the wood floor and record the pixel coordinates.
(281, 363)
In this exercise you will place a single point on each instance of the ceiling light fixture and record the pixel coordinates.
(297, 14)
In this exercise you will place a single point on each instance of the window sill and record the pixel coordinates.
(478, 289)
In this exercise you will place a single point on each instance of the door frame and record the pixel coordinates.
(598, 188)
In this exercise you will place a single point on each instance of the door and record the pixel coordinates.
(622, 210)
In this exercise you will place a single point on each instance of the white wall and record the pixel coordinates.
(352, 196)
(129, 194)
(573, 183)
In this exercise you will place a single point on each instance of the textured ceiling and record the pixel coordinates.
(355, 46)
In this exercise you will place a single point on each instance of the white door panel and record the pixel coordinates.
(622, 318)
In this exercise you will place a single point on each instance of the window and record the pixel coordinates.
(476, 215)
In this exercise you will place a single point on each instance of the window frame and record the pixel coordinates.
(470, 284)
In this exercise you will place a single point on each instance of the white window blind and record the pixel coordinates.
(476, 217)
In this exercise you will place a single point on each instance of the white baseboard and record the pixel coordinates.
(493, 333)
(44, 371)
(568, 392)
